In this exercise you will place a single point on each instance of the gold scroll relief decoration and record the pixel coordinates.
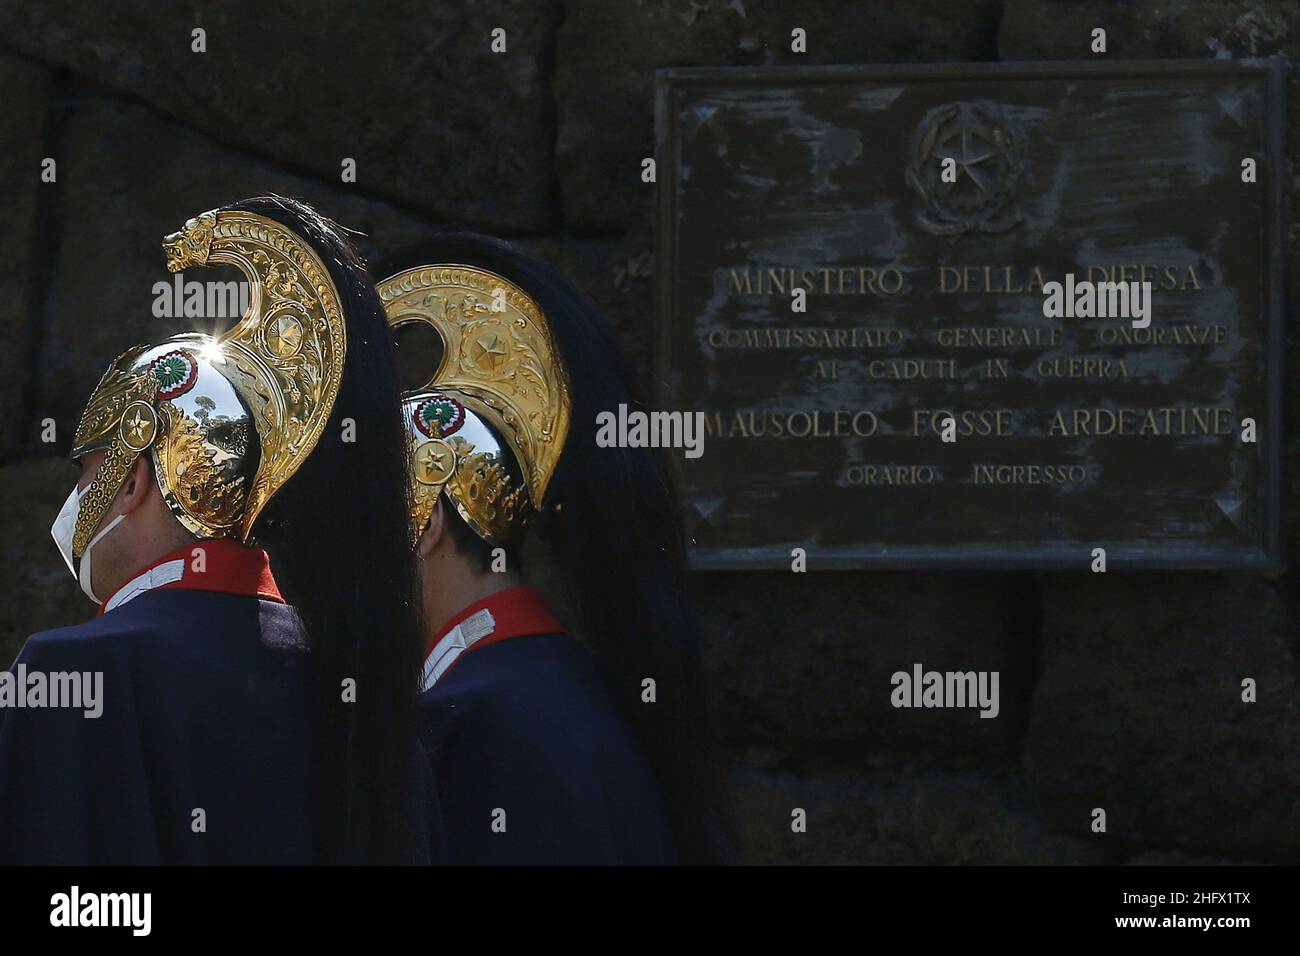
(288, 348)
(498, 356)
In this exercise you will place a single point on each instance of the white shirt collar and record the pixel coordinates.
(454, 643)
(155, 577)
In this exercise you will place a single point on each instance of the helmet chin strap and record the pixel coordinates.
(84, 574)
(103, 488)
(110, 477)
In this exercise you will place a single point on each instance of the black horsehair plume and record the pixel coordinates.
(337, 532)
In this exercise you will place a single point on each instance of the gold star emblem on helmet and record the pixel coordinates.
(139, 423)
(490, 351)
(284, 334)
(434, 462)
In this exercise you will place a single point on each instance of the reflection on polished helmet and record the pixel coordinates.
(227, 419)
(489, 426)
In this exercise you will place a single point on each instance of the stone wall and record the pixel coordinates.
(1119, 691)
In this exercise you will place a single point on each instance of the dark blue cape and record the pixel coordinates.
(204, 706)
(527, 726)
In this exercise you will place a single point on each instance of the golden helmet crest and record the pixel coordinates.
(490, 424)
(227, 419)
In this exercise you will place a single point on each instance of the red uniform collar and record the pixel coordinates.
(227, 566)
(517, 611)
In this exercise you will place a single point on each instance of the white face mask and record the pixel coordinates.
(65, 525)
(63, 529)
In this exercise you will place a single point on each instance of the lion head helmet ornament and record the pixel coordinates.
(227, 419)
(489, 426)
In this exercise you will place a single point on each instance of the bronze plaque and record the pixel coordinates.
(920, 402)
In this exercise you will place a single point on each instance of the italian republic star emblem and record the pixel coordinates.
(975, 146)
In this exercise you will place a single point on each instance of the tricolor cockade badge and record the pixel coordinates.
(176, 372)
(439, 416)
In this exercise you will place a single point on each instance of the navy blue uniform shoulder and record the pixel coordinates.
(196, 754)
(534, 764)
